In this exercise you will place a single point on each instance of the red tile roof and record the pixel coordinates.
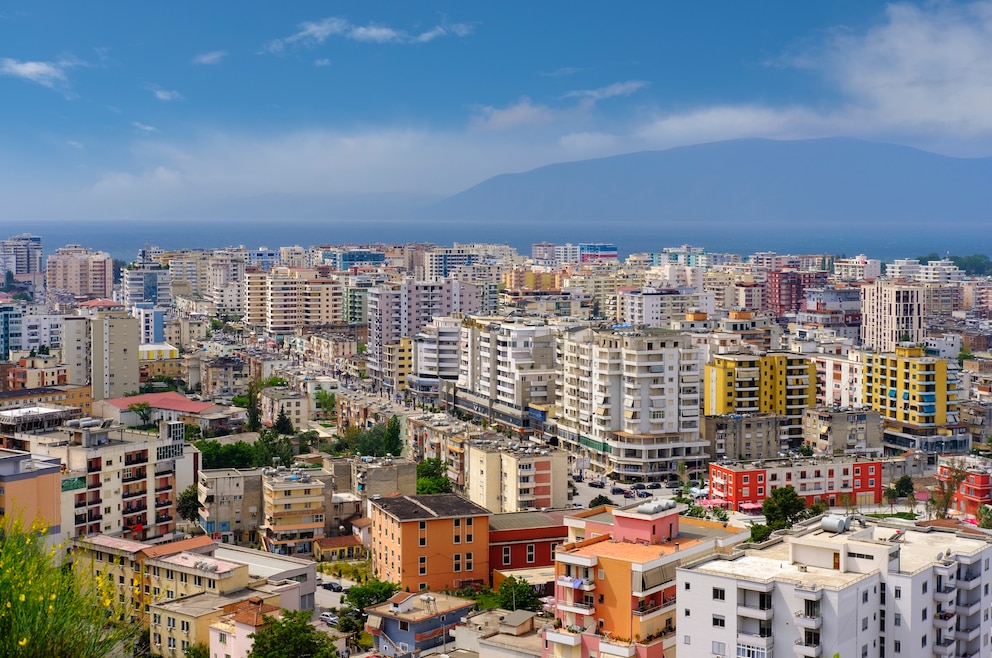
(338, 542)
(170, 401)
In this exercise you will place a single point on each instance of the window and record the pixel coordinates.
(404, 626)
(897, 646)
(686, 612)
(897, 592)
(864, 596)
(864, 623)
(222, 638)
(170, 622)
(925, 585)
(506, 555)
(182, 576)
(719, 648)
(719, 594)
(530, 553)
(184, 626)
(923, 614)
(172, 643)
(423, 525)
(687, 586)
(457, 560)
(923, 641)
(897, 619)
(468, 562)
(423, 565)
(719, 621)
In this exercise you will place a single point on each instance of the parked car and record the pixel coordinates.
(334, 587)
(577, 478)
(654, 485)
(329, 618)
(627, 493)
(638, 485)
(617, 490)
(597, 484)
(641, 493)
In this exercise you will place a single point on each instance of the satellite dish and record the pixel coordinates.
(940, 556)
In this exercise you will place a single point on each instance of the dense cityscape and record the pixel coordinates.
(466, 450)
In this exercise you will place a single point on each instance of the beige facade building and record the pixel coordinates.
(832, 430)
(273, 400)
(507, 476)
(114, 356)
(82, 272)
(743, 436)
(892, 312)
(293, 508)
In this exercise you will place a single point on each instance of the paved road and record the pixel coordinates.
(584, 494)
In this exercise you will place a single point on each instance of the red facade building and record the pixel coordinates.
(525, 540)
(745, 485)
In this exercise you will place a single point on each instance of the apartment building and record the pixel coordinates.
(630, 402)
(230, 503)
(293, 509)
(402, 309)
(435, 356)
(836, 589)
(785, 289)
(975, 489)
(510, 476)
(11, 335)
(505, 366)
(837, 430)
(831, 311)
(858, 268)
(80, 271)
(223, 378)
(435, 542)
(833, 480)
(776, 382)
(36, 372)
(67, 395)
(615, 590)
(116, 480)
(522, 541)
(917, 397)
(892, 312)
(658, 307)
(743, 435)
(113, 357)
(839, 378)
(410, 623)
(146, 280)
(278, 399)
(29, 489)
(21, 254)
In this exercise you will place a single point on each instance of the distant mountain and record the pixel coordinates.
(844, 182)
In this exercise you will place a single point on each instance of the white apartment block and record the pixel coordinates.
(936, 271)
(436, 349)
(630, 402)
(503, 368)
(402, 309)
(657, 307)
(145, 282)
(891, 313)
(38, 330)
(839, 379)
(858, 268)
(837, 589)
(281, 300)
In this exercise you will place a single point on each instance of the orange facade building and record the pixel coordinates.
(436, 542)
(30, 489)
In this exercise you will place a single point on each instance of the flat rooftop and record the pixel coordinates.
(412, 508)
(444, 603)
(197, 561)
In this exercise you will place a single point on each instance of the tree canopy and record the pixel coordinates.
(290, 637)
(601, 499)
(904, 486)
(517, 594)
(371, 593)
(783, 507)
(432, 477)
(283, 424)
(142, 409)
(188, 503)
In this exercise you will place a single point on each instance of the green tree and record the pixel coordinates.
(143, 410)
(271, 445)
(805, 450)
(984, 515)
(517, 594)
(392, 441)
(432, 477)
(599, 500)
(283, 424)
(783, 507)
(198, 650)
(210, 453)
(890, 495)
(43, 350)
(904, 486)
(290, 637)
(817, 508)
(253, 422)
(760, 532)
(326, 401)
(427, 486)
(371, 593)
(188, 504)
(48, 608)
(431, 468)
(307, 441)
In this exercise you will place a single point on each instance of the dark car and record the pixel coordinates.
(641, 493)
(617, 490)
(654, 485)
(577, 478)
(639, 485)
(627, 493)
(597, 484)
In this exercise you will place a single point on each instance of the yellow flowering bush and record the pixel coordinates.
(49, 607)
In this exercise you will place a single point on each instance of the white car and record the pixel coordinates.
(329, 618)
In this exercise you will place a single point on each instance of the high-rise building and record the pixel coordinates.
(917, 397)
(783, 383)
(21, 254)
(11, 317)
(81, 272)
(113, 340)
(630, 402)
(892, 312)
(146, 281)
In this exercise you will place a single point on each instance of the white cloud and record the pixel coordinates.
(564, 70)
(74, 144)
(322, 62)
(166, 95)
(46, 74)
(212, 57)
(311, 34)
(616, 89)
(522, 113)
(144, 127)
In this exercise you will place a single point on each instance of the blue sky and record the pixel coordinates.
(113, 110)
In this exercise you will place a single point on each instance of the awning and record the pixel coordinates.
(750, 506)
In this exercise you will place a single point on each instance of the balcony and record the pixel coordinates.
(654, 609)
(763, 639)
(163, 503)
(134, 478)
(93, 484)
(134, 509)
(134, 461)
(944, 620)
(808, 592)
(93, 467)
(616, 647)
(163, 487)
(577, 607)
(80, 503)
(564, 636)
(80, 519)
(809, 650)
(133, 494)
(968, 609)
(945, 594)
(968, 634)
(945, 647)
(969, 580)
(584, 584)
(755, 612)
(808, 622)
